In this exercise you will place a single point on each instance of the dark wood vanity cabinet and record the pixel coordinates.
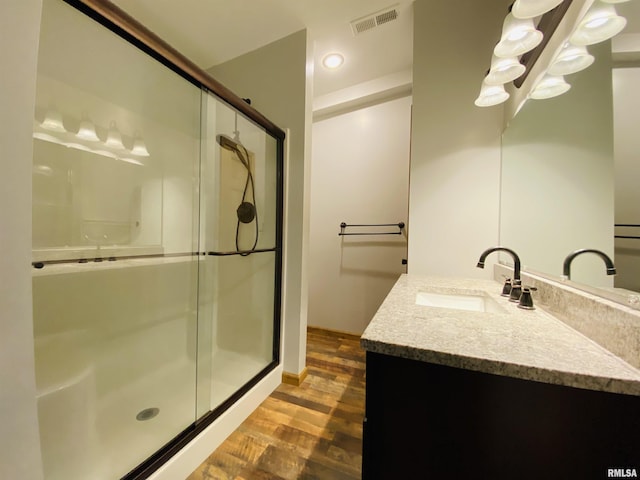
(426, 421)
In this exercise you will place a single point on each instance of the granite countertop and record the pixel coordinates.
(526, 344)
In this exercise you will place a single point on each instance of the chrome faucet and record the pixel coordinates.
(98, 257)
(566, 266)
(516, 259)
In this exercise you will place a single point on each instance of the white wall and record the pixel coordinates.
(455, 153)
(19, 441)
(359, 174)
(626, 108)
(277, 79)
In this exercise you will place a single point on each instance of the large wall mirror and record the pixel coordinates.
(571, 170)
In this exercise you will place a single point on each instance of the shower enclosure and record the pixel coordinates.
(157, 234)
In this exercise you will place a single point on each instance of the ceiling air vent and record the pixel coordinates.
(374, 20)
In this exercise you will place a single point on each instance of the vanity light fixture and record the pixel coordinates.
(114, 139)
(550, 86)
(112, 147)
(533, 8)
(600, 23)
(571, 59)
(87, 131)
(518, 36)
(332, 61)
(53, 121)
(139, 148)
(76, 146)
(491, 95)
(504, 70)
(45, 170)
(105, 153)
(131, 160)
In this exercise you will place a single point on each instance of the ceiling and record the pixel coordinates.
(210, 32)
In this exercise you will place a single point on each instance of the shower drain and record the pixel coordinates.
(147, 414)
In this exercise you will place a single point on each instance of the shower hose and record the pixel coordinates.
(247, 212)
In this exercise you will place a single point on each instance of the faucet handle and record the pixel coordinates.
(506, 288)
(526, 300)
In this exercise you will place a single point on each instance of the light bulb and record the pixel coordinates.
(600, 23)
(114, 139)
(87, 131)
(518, 36)
(53, 121)
(550, 86)
(333, 61)
(491, 95)
(533, 8)
(571, 59)
(139, 148)
(504, 70)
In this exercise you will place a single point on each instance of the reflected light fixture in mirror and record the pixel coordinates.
(132, 161)
(518, 36)
(491, 95)
(87, 131)
(533, 8)
(332, 61)
(550, 86)
(53, 121)
(504, 70)
(114, 139)
(600, 23)
(571, 59)
(139, 148)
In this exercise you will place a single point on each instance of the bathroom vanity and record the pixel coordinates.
(463, 384)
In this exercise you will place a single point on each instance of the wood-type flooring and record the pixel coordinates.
(313, 431)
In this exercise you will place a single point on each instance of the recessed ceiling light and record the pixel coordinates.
(332, 60)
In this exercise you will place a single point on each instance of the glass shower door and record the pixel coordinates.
(238, 281)
(115, 240)
(156, 251)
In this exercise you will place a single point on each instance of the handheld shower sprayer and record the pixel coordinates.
(227, 143)
(246, 211)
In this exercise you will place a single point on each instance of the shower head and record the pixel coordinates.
(227, 143)
(236, 147)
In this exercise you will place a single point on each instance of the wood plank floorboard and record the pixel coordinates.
(309, 432)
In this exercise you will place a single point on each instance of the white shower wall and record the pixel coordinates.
(113, 339)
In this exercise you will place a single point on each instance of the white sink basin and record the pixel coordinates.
(473, 302)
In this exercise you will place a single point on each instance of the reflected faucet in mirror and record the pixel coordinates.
(98, 257)
(566, 266)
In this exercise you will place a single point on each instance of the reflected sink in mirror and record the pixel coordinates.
(459, 301)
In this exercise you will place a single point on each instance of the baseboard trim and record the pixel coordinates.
(294, 379)
(332, 332)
